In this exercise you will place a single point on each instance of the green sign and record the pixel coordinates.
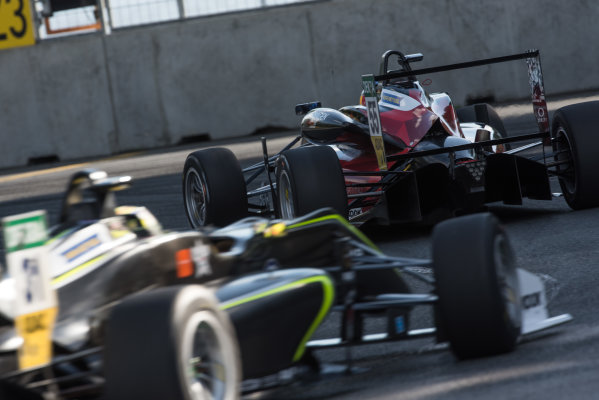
(35, 302)
(24, 231)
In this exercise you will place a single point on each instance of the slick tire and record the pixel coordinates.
(575, 130)
(477, 283)
(214, 190)
(309, 178)
(171, 343)
(483, 113)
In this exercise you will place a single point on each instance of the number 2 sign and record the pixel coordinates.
(16, 28)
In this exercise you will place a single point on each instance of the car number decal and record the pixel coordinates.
(374, 120)
(36, 304)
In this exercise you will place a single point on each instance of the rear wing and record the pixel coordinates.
(535, 78)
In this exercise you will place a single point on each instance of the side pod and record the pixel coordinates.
(274, 314)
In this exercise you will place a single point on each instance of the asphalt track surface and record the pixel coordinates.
(547, 236)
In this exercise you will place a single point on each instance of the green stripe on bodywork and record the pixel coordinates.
(344, 222)
(327, 301)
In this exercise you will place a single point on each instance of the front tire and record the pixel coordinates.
(477, 284)
(171, 343)
(214, 190)
(309, 178)
(575, 130)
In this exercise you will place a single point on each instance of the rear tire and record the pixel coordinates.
(477, 283)
(171, 343)
(214, 191)
(575, 129)
(309, 178)
(483, 113)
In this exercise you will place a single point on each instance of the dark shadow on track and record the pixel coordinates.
(505, 213)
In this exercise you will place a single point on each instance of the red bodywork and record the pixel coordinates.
(406, 118)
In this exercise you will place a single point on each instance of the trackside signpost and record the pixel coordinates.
(374, 120)
(36, 307)
(16, 27)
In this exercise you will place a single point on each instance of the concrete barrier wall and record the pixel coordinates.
(229, 75)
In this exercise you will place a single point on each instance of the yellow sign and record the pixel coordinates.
(36, 330)
(16, 27)
(379, 150)
(36, 304)
(374, 120)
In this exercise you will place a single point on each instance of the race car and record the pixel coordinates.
(109, 305)
(404, 156)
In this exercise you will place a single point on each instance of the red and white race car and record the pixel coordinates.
(403, 155)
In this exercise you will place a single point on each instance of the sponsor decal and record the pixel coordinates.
(400, 324)
(321, 115)
(194, 261)
(390, 98)
(81, 248)
(354, 212)
(36, 330)
(34, 285)
(398, 101)
(184, 264)
(271, 264)
(535, 79)
(200, 254)
(531, 300)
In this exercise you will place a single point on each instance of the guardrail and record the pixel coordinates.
(108, 15)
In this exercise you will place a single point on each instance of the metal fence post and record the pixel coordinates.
(106, 16)
(181, 9)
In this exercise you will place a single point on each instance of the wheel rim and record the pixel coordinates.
(566, 171)
(285, 196)
(196, 197)
(508, 280)
(207, 364)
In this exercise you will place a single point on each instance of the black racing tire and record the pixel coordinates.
(171, 343)
(575, 129)
(309, 178)
(477, 283)
(214, 190)
(486, 114)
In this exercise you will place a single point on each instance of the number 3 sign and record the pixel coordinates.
(374, 120)
(16, 28)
